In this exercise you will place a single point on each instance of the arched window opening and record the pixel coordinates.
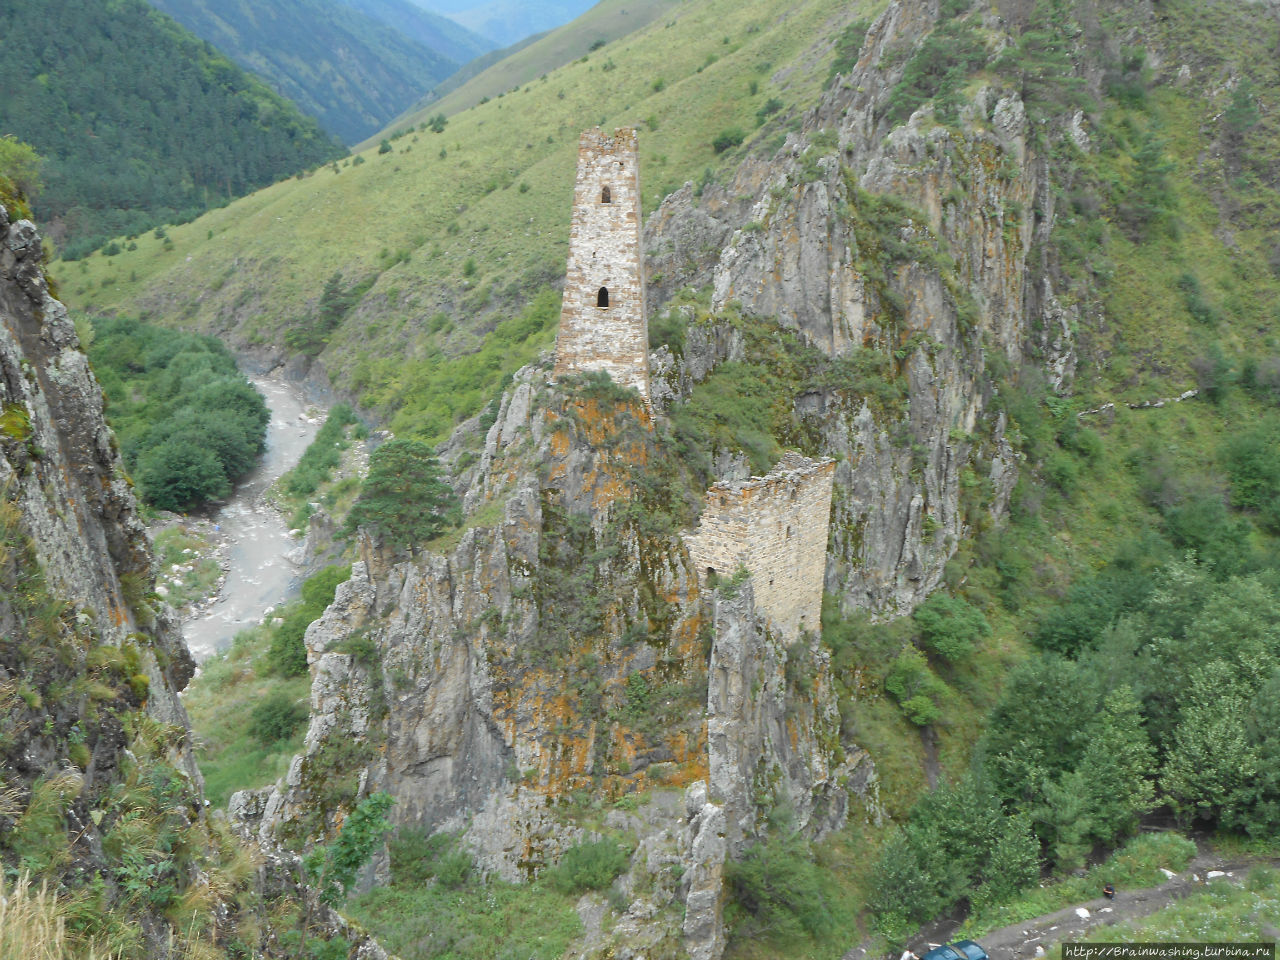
(606, 196)
(602, 298)
(711, 572)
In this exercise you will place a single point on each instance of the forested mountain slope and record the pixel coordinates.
(138, 121)
(353, 66)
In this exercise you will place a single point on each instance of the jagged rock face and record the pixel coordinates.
(983, 199)
(765, 737)
(61, 466)
(565, 648)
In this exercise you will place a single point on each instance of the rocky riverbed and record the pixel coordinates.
(251, 541)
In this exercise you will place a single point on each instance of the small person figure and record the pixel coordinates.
(1109, 891)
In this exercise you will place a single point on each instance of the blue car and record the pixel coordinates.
(960, 950)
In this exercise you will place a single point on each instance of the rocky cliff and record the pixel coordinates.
(100, 796)
(563, 649)
(90, 662)
(923, 242)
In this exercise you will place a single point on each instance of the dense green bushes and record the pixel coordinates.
(959, 844)
(276, 717)
(189, 424)
(590, 865)
(778, 891)
(418, 857)
(938, 71)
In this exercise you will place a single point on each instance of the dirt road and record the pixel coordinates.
(1022, 941)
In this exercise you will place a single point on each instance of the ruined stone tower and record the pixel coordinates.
(775, 526)
(602, 322)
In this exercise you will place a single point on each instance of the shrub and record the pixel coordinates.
(770, 107)
(915, 687)
(938, 71)
(20, 166)
(277, 717)
(848, 46)
(288, 654)
(1253, 467)
(780, 890)
(417, 857)
(728, 138)
(592, 865)
(950, 626)
(403, 499)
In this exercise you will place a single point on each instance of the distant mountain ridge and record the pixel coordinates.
(352, 64)
(508, 21)
(439, 33)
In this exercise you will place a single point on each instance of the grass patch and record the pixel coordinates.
(221, 702)
(444, 912)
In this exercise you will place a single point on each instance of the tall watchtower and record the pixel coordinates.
(602, 321)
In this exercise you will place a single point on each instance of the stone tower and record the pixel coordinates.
(602, 322)
(775, 526)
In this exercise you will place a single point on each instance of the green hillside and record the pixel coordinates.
(344, 65)
(139, 122)
(604, 22)
(446, 235)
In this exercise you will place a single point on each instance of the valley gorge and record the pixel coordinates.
(825, 572)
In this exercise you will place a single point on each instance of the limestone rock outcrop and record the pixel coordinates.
(564, 648)
(962, 289)
(62, 469)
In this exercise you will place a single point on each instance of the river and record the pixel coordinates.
(257, 536)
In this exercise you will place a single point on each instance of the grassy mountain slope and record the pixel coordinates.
(138, 121)
(446, 235)
(471, 70)
(505, 70)
(604, 22)
(350, 71)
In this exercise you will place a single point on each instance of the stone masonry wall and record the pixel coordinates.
(604, 254)
(776, 526)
